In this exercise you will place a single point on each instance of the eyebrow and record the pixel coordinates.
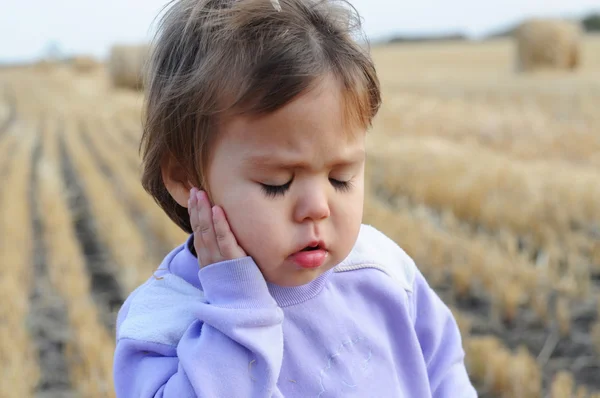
(269, 161)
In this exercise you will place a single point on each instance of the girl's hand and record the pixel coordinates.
(213, 239)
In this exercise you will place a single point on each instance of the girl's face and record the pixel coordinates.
(289, 180)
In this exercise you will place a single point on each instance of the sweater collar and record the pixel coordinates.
(184, 264)
(286, 296)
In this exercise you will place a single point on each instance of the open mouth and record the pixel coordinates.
(311, 256)
(310, 248)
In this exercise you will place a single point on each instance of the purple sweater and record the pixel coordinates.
(370, 327)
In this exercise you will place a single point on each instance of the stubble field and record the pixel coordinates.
(488, 179)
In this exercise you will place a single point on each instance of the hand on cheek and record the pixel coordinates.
(213, 240)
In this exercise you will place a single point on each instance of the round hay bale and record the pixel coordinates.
(126, 65)
(83, 63)
(548, 44)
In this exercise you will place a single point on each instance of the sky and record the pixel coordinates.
(28, 28)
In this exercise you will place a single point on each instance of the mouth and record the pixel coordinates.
(311, 248)
(312, 255)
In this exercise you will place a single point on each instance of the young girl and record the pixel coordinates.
(254, 143)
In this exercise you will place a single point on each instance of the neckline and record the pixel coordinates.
(286, 296)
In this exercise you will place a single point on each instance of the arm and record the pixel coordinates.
(233, 346)
(440, 342)
(226, 341)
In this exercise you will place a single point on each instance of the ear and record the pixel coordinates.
(176, 181)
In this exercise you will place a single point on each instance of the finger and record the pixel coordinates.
(191, 208)
(206, 230)
(201, 250)
(227, 242)
(195, 224)
(189, 203)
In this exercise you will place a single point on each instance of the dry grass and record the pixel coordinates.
(90, 349)
(487, 178)
(491, 181)
(479, 185)
(128, 184)
(18, 367)
(119, 233)
(467, 92)
(502, 372)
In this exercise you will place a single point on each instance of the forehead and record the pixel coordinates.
(313, 125)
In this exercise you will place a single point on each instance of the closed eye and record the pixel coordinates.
(272, 191)
(341, 186)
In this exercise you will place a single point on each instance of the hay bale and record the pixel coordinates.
(83, 63)
(548, 44)
(126, 65)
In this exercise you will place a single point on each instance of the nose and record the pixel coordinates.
(312, 205)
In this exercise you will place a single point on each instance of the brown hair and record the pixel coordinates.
(216, 58)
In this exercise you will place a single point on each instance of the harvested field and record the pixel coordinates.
(489, 179)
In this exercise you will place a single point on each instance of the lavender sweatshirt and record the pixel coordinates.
(370, 327)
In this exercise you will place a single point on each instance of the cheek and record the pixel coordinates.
(349, 215)
(353, 203)
(250, 218)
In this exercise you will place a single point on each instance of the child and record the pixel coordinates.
(254, 143)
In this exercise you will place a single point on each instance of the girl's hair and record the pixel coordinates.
(212, 59)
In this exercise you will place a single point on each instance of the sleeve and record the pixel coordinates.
(231, 340)
(441, 343)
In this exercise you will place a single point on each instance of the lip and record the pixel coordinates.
(310, 259)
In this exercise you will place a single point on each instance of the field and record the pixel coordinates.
(488, 179)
